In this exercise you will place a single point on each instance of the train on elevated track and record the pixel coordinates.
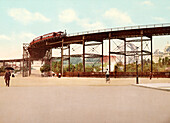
(59, 34)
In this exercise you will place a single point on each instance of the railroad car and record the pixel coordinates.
(37, 39)
(59, 34)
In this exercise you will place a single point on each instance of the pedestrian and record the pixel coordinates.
(107, 76)
(7, 77)
(59, 75)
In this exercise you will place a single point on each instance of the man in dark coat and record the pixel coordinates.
(7, 77)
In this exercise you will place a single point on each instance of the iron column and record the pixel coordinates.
(83, 54)
(29, 66)
(125, 55)
(102, 55)
(23, 63)
(109, 51)
(151, 56)
(3, 63)
(142, 50)
(62, 57)
(69, 57)
(137, 81)
(20, 66)
(136, 58)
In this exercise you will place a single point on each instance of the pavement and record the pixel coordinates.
(35, 81)
(82, 100)
(159, 86)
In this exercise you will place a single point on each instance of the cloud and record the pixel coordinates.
(11, 45)
(24, 16)
(118, 16)
(148, 3)
(17, 38)
(69, 15)
(159, 19)
(25, 37)
(4, 37)
(85, 23)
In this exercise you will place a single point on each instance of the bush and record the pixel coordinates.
(2, 69)
(45, 68)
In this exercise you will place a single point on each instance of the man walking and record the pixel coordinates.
(107, 76)
(7, 77)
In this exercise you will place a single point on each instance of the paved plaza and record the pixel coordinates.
(159, 86)
(82, 100)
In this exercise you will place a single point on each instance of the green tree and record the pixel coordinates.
(166, 60)
(169, 62)
(97, 68)
(79, 67)
(163, 61)
(159, 61)
(2, 69)
(56, 66)
(72, 68)
(45, 68)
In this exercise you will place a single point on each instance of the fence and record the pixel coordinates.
(117, 75)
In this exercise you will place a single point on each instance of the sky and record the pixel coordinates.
(23, 20)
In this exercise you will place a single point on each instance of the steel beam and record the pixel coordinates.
(125, 55)
(20, 67)
(138, 54)
(71, 42)
(118, 53)
(142, 50)
(151, 57)
(74, 55)
(29, 66)
(137, 40)
(69, 58)
(53, 43)
(109, 51)
(102, 55)
(62, 71)
(23, 63)
(83, 54)
(91, 54)
(145, 51)
(92, 44)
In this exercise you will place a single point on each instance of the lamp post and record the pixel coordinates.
(136, 58)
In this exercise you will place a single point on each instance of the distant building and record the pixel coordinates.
(158, 54)
(167, 51)
(106, 61)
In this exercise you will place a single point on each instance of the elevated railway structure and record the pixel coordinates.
(12, 63)
(132, 34)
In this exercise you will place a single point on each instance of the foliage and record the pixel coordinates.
(160, 61)
(166, 60)
(79, 67)
(2, 69)
(162, 64)
(45, 68)
(56, 67)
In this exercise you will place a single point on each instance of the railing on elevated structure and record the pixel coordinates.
(120, 28)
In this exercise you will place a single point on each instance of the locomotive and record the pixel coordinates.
(59, 34)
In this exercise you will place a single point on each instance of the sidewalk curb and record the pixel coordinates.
(168, 90)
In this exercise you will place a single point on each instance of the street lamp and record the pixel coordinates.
(136, 58)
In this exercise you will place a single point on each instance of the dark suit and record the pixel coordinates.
(7, 78)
